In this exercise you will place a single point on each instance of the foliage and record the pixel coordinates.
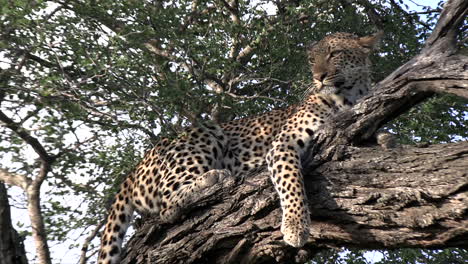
(337, 257)
(449, 255)
(100, 81)
(439, 120)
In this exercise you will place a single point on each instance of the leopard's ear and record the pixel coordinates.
(310, 47)
(371, 42)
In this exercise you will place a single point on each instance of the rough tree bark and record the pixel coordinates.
(11, 244)
(411, 196)
(360, 197)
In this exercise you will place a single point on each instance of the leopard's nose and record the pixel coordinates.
(321, 76)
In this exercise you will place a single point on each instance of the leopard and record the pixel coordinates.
(175, 172)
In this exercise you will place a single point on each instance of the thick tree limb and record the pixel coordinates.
(412, 196)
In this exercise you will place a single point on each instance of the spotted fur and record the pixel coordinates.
(174, 173)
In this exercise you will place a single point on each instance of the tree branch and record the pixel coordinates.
(409, 16)
(84, 248)
(15, 179)
(23, 134)
(34, 210)
(443, 38)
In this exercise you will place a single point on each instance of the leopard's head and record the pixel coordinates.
(340, 64)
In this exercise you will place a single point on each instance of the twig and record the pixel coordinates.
(23, 134)
(94, 233)
(244, 97)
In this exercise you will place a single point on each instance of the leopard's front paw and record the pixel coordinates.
(212, 177)
(295, 230)
(169, 216)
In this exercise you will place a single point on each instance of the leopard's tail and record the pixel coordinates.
(118, 221)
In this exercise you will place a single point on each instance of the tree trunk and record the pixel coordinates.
(11, 244)
(39, 233)
(359, 197)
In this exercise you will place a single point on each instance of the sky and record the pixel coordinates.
(61, 253)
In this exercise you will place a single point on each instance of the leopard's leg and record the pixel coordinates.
(189, 193)
(284, 165)
(285, 172)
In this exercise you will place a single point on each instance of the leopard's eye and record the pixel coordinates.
(334, 54)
